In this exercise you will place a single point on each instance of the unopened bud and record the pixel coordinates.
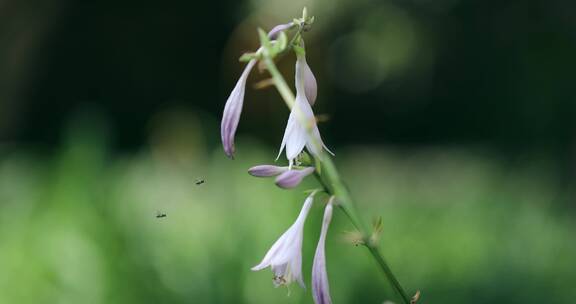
(292, 178)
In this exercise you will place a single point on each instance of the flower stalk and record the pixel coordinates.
(285, 256)
(333, 184)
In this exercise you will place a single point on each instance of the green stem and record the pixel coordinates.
(341, 192)
(332, 183)
(388, 272)
(279, 82)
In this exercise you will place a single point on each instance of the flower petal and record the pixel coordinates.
(294, 139)
(308, 82)
(292, 178)
(232, 111)
(320, 286)
(310, 86)
(266, 170)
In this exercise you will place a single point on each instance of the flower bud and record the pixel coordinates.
(266, 170)
(320, 286)
(292, 178)
(310, 86)
(232, 111)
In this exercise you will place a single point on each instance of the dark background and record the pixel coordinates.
(501, 73)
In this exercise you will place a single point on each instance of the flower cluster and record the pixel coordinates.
(285, 256)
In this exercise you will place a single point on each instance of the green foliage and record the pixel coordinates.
(80, 227)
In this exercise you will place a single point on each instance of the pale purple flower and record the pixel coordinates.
(266, 170)
(232, 111)
(292, 178)
(233, 106)
(285, 256)
(320, 286)
(297, 136)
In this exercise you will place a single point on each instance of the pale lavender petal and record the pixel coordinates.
(310, 121)
(292, 178)
(275, 31)
(278, 247)
(266, 170)
(296, 268)
(306, 108)
(320, 286)
(232, 111)
(289, 127)
(294, 139)
(313, 149)
(308, 82)
(310, 86)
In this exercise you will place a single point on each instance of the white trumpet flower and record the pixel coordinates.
(301, 129)
(285, 256)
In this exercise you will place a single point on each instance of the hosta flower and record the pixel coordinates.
(286, 178)
(292, 178)
(301, 129)
(266, 170)
(320, 288)
(285, 256)
(232, 111)
(233, 106)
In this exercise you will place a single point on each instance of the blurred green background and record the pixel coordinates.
(451, 119)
